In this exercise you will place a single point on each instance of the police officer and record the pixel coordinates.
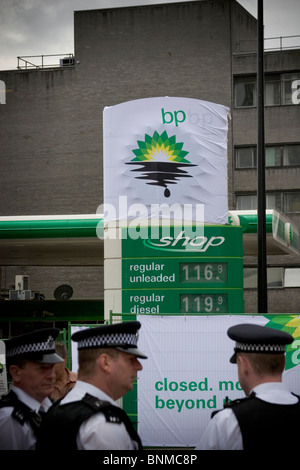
(30, 361)
(269, 414)
(88, 418)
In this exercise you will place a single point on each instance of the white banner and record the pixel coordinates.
(165, 156)
(188, 374)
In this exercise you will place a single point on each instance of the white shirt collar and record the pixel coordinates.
(81, 388)
(30, 401)
(274, 392)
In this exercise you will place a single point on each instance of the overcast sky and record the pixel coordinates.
(36, 27)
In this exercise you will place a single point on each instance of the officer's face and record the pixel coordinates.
(35, 379)
(125, 368)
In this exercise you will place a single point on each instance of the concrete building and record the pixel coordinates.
(51, 124)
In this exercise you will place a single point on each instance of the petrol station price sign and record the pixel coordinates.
(183, 274)
(180, 272)
(176, 301)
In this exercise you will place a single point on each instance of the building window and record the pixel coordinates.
(272, 90)
(249, 201)
(278, 89)
(292, 277)
(246, 202)
(245, 91)
(291, 202)
(245, 157)
(274, 278)
(287, 202)
(275, 155)
(291, 155)
(277, 277)
(287, 81)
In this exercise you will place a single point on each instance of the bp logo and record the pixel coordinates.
(161, 161)
(291, 325)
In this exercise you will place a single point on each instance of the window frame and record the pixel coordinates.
(289, 281)
(270, 284)
(283, 150)
(252, 82)
(280, 79)
(290, 277)
(282, 196)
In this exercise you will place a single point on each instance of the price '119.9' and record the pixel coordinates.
(203, 303)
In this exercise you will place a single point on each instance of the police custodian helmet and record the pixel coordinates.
(258, 339)
(121, 336)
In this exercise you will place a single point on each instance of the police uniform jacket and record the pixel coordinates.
(96, 432)
(16, 431)
(224, 432)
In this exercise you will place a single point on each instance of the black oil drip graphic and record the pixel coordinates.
(162, 173)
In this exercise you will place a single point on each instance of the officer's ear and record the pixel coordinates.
(242, 362)
(104, 361)
(15, 372)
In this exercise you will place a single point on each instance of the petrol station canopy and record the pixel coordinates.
(75, 240)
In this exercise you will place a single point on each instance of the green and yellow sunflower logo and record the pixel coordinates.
(161, 160)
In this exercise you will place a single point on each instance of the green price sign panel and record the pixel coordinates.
(187, 301)
(182, 272)
(193, 271)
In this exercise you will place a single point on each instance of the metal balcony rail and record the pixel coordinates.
(45, 61)
(278, 43)
(282, 42)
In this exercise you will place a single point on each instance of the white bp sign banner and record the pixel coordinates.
(165, 156)
(188, 375)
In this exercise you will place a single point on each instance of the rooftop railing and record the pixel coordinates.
(282, 42)
(278, 43)
(45, 61)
